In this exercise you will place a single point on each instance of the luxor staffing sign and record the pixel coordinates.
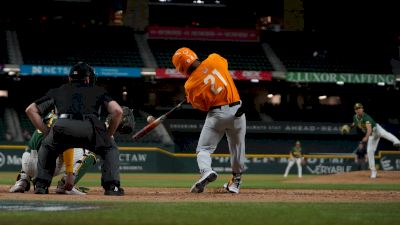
(354, 78)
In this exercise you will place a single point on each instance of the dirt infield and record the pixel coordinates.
(256, 195)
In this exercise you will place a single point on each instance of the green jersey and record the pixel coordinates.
(37, 136)
(361, 122)
(36, 140)
(296, 152)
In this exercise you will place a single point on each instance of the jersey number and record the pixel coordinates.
(211, 78)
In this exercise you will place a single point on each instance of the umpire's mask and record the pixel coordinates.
(80, 71)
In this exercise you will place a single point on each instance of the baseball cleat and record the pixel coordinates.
(74, 191)
(114, 191)
(373, 174)
(397, 145)
(41, 188)
(233, 185)
(200, 185)
(21, 186)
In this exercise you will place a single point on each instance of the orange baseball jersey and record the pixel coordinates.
(211, 84)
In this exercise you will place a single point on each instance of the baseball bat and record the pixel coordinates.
(149, 127)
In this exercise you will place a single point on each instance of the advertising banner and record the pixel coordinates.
(236, 74)
(198, 33)
(356, 78)
(50, 70)
(263, 127)
(162, 161)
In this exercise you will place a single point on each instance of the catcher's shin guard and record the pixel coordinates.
(85, 163)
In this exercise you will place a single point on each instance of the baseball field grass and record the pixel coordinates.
(164, 199)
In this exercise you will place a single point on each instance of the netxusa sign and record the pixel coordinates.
(50, 70)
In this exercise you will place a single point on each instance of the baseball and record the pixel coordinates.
(150, 119)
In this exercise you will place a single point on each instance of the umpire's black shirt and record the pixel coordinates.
(74, 98)
(82, 102)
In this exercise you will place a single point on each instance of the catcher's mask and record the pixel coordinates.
(183, 58)
(80, 71)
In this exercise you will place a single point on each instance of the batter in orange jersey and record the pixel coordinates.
(210, 87)
(211, 84)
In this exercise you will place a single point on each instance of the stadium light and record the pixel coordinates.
(148, 72)
(254, 80)
(11, 70)
(322, 97)
(381, 83)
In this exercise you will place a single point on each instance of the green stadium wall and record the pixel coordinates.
(158, 160)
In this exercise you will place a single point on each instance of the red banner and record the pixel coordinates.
(249, 75)
(236, 74)
(169, 73)
(195, 33)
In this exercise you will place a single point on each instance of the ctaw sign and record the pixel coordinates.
(134, 161)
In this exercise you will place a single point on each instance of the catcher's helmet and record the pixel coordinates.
(80, 71)
(183, 58)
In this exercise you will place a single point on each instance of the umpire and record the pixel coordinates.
(77, 105)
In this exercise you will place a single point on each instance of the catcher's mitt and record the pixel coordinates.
(345, 129)
(127, 123)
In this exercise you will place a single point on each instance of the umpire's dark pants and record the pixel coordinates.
(69, 133)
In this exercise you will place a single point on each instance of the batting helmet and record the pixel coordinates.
(183, 58)
(81, 71)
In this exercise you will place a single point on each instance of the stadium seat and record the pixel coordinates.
(318, 52)
(240, 55)
(97, 45)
